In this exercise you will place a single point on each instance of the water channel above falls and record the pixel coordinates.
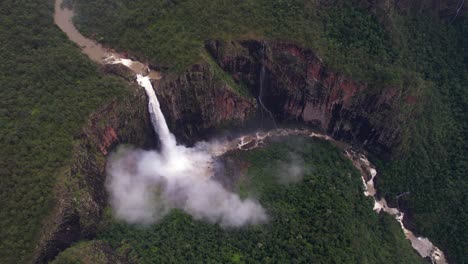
(102, 55)
(63, 18)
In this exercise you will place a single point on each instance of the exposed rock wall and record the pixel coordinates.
(199, 101)
(194, 102)
(80, 191)
(298, 87)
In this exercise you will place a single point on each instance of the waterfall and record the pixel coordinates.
(168, 140)
(187, 176)
(144, 186)
(260, 94)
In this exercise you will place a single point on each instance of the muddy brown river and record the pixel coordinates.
(99, 54)
(63, 18)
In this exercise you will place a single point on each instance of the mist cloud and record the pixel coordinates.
(291, 170)
(145, 185)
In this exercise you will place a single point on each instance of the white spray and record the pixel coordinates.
(157, 118)
(145, 185)
(134, 185)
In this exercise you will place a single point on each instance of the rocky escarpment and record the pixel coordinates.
(202, 100)
(212, 94)
(299, 87)
(80, 191)
(196, 102)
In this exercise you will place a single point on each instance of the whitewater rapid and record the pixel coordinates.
(422, 245)
(248, 142)
(144, 186)
(202, 162)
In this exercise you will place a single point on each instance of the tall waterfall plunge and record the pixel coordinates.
(145, 185)
(157, 118)
(184, 174)
(132, 192)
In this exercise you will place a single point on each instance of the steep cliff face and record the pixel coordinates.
(298, 87)
(195, 103)
(80, 191)
(200, 101)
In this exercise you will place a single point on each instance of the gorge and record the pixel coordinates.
(332, 111)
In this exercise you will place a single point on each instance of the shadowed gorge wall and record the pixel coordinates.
(386, 75)
(81, 195)
(201, 100)
(298, 86)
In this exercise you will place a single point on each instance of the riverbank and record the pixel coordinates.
(423, 246)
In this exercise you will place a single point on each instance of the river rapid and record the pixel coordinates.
(101, 55)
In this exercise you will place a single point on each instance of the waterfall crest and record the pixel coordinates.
(144, 186)
(158, 120)
(133, 173)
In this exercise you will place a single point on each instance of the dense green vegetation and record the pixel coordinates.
(322, 218)
(47, 90)
(433, 165)
(419, 53)
(89, 252)
(172, 33)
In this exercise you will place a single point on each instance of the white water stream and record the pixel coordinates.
(260, 94)
(170, 149)
(422, 245)
(158, 120)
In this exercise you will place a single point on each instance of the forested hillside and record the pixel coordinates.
(318, 216)
(419, 53)
(48, 88)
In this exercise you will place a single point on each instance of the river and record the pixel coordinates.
(99, 54)
(63, 18)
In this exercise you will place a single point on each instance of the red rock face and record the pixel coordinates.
(410, 99)
(314, 71)
(350, 89)
(298, 86)
(198, 102)
(121, 122)
(294, 51)
(76, 217)
(227, 106)
(108, 138)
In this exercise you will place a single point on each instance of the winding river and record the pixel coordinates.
(63, 18)
(102, 55)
